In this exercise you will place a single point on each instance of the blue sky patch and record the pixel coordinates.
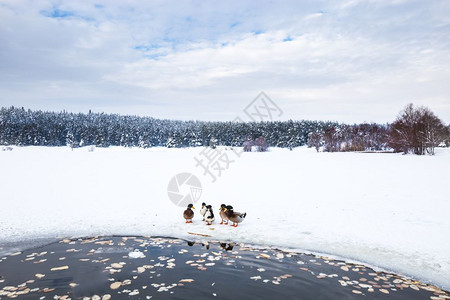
(146, 51)
(57, 13)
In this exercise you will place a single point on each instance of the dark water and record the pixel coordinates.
(177, 269)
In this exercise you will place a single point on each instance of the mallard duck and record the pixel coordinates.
(189, 213)
(209, 215)
(203, 210)
(223, 214)
(233, 216)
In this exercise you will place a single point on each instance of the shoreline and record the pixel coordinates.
(326, 274)
(197, 239)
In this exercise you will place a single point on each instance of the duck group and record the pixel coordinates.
(226, 213)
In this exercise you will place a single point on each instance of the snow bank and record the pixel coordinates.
(388, 210)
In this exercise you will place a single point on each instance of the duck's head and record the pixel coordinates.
(208, 207)
(203, 204)
(190, 206)
(222, 207)
(229, 207)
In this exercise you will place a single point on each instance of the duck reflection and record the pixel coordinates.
(227, 247)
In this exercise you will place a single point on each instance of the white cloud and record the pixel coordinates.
(313, 16)
(204, 60)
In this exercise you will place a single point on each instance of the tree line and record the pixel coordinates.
(416, 130)
(39, 128)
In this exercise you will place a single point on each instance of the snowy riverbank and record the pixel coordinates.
(387, 210)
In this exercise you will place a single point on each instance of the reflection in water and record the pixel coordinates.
(228, 247)
(206, 245)
(225, 246)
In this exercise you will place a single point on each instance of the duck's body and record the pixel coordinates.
(189, 213)
(203, 210)
(209, 215)
(233, 216)
(223, 214)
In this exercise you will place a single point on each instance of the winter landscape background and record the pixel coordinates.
(103, 102)
(110, 175)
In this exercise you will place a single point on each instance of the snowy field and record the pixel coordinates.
(387, 210)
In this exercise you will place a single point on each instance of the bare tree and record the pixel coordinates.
(332, 140)
(248, 145)
(416, 130)
(261, 144)
(431, 130)
(315, 140)
(447, 137)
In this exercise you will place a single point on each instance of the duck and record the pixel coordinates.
(223, 214)
(209, 215)
(203, 210)
(233, 216)
(189, 213)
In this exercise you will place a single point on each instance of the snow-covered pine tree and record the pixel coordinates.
(70, 140)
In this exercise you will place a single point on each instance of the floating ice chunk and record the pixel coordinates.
(136, 254)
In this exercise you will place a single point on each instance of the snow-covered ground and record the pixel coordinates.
(387, 210)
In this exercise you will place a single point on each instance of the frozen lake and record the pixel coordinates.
(159, 268)
(389, 211)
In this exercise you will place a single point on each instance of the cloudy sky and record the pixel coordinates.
(349, 61)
